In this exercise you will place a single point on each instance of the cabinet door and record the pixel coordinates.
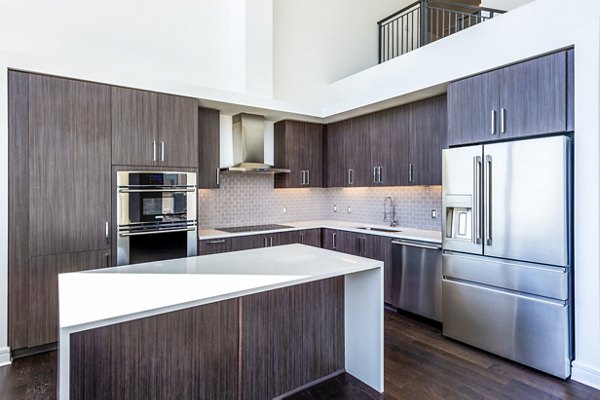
(213, 246)
(290, 149)
(329, 239)
(350, 242)
(310, 237)
(209, 148)
(534, 96)
(69, 165)
(283, 238)
(428, 126)
(177, 131)
(389, 147)
(43, 290)
(134, 131)
(336, 161)
(248, 242)
(357, 152)
(380, 248)
(473, 109)
(312, 156)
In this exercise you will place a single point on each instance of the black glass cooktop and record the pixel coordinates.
(252, 228)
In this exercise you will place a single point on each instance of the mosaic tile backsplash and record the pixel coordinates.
(249, 199)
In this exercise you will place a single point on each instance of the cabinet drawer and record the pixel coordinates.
(212, 246)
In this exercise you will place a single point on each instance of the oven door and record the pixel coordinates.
(151, 206)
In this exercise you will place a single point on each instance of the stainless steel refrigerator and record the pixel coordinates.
(507, 250)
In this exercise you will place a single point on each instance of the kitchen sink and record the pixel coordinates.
(390, 230)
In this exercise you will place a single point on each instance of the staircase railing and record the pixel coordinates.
(426, 21)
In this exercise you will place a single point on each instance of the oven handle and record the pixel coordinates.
(125, 234)
(155, 190)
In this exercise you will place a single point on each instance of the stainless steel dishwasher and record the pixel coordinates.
(417, 278)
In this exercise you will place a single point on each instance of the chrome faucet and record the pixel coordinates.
(389, 213)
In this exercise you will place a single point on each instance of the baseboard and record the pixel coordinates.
(5, 356)
(585, 374)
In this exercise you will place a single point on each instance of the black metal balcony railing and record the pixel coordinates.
(426, 21)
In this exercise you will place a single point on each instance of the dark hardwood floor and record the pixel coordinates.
(419, 364)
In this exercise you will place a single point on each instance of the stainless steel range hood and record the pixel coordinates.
(249, 145)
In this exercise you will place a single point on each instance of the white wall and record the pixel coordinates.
(505, 5)
(317, 42)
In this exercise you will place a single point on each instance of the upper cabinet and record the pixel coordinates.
(299, 148)
(150, 129)
(209, 149)
(525, 99)
(399, 146)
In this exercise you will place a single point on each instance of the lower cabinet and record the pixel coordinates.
(310, 237)
(42, 301)
(363, 245)
(213, 246)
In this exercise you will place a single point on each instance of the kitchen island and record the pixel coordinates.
(259, 323)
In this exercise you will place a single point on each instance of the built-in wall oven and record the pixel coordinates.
(156, 216)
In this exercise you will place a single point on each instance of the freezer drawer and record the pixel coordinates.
(417, 278)
(541, 280)
(529, 330)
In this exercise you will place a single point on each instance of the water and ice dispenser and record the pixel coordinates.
(459, 213)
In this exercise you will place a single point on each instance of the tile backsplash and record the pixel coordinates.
(249, 199)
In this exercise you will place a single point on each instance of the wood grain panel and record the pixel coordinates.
(313, 154)
(92, 158)
(336, 162)
(428, 136)
(390, 146)
(52, 133)
(248, 242)
(357, 151)
(18, 207)
(42, 318)
(291, 336)
(178, 129)
(187, 354)
(213, 246)
(310, 237)
(209, 145)
(534, 96)
(134, 126)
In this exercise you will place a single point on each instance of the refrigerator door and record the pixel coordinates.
(526, 200)
(462, 170)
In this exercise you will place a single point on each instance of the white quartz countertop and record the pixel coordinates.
(111, 295)
(399, 232)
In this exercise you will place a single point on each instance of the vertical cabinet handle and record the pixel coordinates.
(218, 176)
(350, 176)
(488, 189)
(162, 151)
(380, 178)
(308, 176)
(374, 174)
(264, 242)
(271, 241)
(502, 120)
(493, 130)
(106, 231)
(303, 178)
(477, 201)
(302, 238)
(410, 172)
(154, 150)
(333, 240)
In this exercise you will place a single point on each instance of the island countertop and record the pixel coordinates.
(110, 295)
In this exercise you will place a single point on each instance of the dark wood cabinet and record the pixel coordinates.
(357, 151)
(42, 315)
(209, 148)
(390, 147)
(310, 237)
(336, 172)
(525, 99)
(69, 165)
(250, 242)
(177, 131)
(428, 136)
(134, 129)
(299, 147)
(150, 129)
(213, 246)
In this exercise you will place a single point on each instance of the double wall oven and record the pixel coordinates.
(156, 216)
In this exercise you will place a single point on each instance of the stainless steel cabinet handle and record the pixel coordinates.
(374, 174)
(106, 232)
(488, 202)
(502, 120)
(162, 151)
(380, 178)
(154, 150)
(271, 241)
(216, 241)
(477, 201)
(303, 179)
(218, 176)
(308, 177)
(350, 176)
(302, 238)
(264, 242)
(410, 172)
(493, 122)
(333, 239)
(125, 234)
(419, 245)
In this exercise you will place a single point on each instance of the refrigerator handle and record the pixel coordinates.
(477, 200)
(488, 202)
